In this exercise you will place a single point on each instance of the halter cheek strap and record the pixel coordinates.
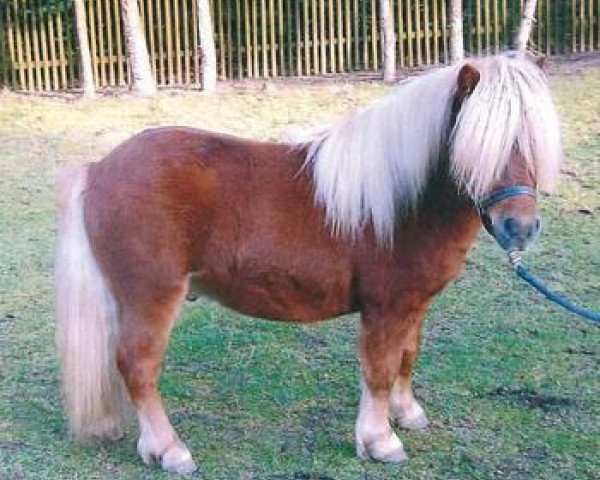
(499, 195)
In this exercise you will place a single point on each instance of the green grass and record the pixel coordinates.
(510, 382)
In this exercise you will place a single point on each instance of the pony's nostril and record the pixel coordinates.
(532, 230)
(529, 231)
(511, 227)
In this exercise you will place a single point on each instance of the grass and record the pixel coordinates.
(510, 382)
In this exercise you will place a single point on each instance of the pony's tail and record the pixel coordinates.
(86, 322)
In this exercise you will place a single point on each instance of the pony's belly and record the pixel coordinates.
(275, 295)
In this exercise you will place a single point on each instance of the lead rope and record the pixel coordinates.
(514, 258)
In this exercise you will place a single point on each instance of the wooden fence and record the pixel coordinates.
(268, 38)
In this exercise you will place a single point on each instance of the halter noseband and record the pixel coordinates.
(507, 192)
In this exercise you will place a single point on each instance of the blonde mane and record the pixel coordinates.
(377, 161)
(511, 108)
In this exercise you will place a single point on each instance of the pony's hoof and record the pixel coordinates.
(145, 451)
(178, 459)
(175, 459)
(388, 450)
(414, 423)
(413, 418)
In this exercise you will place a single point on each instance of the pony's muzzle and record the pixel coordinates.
(514, 233)
(514, 225)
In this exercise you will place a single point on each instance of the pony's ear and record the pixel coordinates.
(468, 78)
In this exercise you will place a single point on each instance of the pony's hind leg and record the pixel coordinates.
(145, 328)
(404, 408)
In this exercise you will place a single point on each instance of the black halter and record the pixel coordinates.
(507, 192)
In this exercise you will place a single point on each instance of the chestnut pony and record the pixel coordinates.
(373, 214)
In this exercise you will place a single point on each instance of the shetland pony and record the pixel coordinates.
(374, 214)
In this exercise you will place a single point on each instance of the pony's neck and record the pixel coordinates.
(379, 159)
(445, 207)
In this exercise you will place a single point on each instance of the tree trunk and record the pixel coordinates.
(457, 49)
(207, 47)
(389, 41)
(139, 61)
(87, 76)
(522, 36)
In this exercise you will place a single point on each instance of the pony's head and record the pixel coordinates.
(505, 144)
(492, 120)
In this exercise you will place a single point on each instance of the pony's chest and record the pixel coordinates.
(435, 262)
(425, 258)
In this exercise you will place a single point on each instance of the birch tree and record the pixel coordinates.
(143, 83)
(457, 49)
(389, 41)
(87, 76)
(207, 47)
(522, 35)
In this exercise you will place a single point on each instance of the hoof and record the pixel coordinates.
(388, 450)
(414, 422)
(413, 418)
(178, 459)
(146, 452)
(175, 459)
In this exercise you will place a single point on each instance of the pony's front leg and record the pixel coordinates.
(381, 342)
(404, 408)
(375, 438)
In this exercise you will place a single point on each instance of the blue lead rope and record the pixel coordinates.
(541, 287)
(514, 258)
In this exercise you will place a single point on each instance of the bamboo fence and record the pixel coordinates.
(268, 38)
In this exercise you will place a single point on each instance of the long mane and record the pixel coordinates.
(377, 161)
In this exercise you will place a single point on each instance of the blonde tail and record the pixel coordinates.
(86, 322)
